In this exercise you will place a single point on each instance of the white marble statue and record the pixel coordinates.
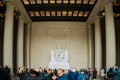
(59, 55)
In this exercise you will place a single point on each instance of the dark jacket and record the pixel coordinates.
(63, 77)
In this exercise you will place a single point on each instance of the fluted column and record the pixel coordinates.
(20, 42)
(98, 47)
(90, 47)
(8, 36)
(28, 46)
(110, 35)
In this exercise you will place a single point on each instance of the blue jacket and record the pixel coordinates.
(72, 75)
(63, 77)
(81, 77)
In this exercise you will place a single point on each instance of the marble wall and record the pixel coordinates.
(70, 35)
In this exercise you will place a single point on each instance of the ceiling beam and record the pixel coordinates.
(59, 7)
(60, 18)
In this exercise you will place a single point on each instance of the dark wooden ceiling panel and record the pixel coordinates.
(61, 18)
(59, 10)
(73, 7)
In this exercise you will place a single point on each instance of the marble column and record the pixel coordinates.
(28, 45)
(8, 36)
(110, 35)
(90, 47)
(98, 44)
(20, 42)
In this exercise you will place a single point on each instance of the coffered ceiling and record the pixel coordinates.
(60, 10)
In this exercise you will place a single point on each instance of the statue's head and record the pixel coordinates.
(59, 46)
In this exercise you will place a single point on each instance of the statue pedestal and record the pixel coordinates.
(56, 65)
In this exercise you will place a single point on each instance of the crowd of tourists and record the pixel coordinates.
(72, 74)
(59, 74)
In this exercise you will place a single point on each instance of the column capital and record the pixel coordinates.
(7, 1)
(98, 16)
(21, 18)
(92, 22)
(108, 1)
(89, 25)
(29, 23)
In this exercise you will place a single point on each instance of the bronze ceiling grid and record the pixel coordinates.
(59, 10)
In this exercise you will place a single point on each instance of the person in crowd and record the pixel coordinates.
(7, 73)
(45, 70)
(26, 74)
(94, 76)
(119, 73)
(89, 74)
(55, 71)
(41, 73)
(102, 74)
(73, 74)
(53, 76)
(22, 71)
(61, 75)
(34, 75)
(116, 73)
(110, 74)
(82, 75)
(49, 75)
(106, 71)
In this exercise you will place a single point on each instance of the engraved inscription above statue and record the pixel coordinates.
(59, 55)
